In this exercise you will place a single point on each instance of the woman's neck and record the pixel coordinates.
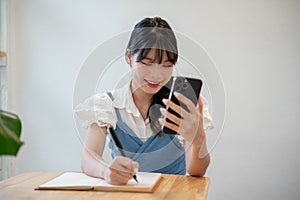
(141, 99)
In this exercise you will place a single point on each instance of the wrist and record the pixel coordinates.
(199, 139)
(203, 151)
(199, 145)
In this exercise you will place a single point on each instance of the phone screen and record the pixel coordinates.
(189, 87)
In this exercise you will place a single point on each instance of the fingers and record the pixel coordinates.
(123, 164)
(136, 166)
(186, 101)
(121, 170)
(200, 105)
(178, 109)
(188, 122)
(171, 126)
(175, 107)
(170, 116)
(116, 178)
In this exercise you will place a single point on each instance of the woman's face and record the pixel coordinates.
(148, 74)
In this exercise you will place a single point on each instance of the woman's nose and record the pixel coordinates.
(155, 70)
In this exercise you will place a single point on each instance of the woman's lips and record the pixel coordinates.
(153, 84)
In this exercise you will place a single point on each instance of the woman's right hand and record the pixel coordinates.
(120, 170)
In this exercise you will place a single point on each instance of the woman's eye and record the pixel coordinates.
(147, 64)
(167, 66)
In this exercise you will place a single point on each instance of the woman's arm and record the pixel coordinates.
(190, 127)
(197, 158)
(119, 171)
(91, 161)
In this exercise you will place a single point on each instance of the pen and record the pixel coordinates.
(170, 96)
(118, 145)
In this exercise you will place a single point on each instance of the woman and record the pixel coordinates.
(151, 54)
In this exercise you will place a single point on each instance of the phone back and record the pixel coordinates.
(189, 87)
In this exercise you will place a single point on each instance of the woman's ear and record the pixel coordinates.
(128, 57)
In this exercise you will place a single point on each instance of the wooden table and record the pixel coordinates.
(171, 187)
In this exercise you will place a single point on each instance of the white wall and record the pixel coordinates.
(255, 45)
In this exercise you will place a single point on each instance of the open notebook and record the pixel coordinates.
(81, 181)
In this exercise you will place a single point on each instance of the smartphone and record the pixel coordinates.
(189, 87)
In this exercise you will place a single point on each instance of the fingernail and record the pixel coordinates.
(162, 110)
(176, 93)
(161, 121)
(165, 101)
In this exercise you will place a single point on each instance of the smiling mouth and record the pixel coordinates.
(153, 84)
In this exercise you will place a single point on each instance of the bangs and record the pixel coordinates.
(172, 57)
(161, 40)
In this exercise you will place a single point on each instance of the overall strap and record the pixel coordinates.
(117, 110)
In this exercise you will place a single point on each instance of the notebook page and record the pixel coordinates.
(145, 180)
(71, 179)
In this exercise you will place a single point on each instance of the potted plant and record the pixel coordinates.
(10, 132)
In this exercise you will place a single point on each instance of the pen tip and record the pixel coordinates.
(135, 178)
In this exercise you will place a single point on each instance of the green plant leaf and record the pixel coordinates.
(10, 132)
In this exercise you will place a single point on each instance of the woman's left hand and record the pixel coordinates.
(190, 125)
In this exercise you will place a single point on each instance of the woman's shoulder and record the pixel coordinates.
(98, 109)
(97, 99)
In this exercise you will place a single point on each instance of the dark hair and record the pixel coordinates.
(154, 33)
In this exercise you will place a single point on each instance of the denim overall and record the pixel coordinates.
(161, 154)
